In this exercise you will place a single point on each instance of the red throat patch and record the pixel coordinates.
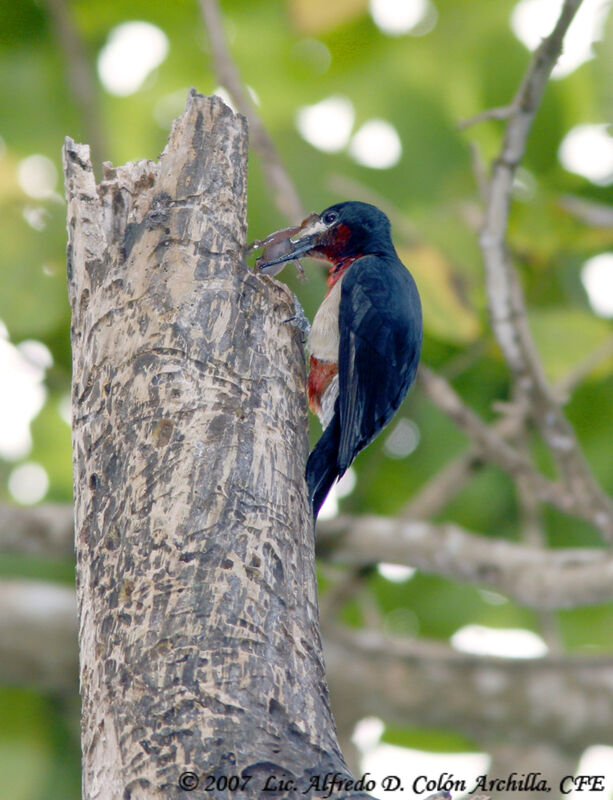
(333, 251)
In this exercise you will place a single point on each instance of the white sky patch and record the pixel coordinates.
(382, 760)
(503, 642)
(327, 125)
(255, 97)
(376, 145)
(597, 279)
(28, 483)
(132, 51)
(396, 573)
(37, 176)
(588, 150)
(402, 440)
(367, 733)
(397, 17)
(596, 760)
(36, 353)
(416, 768)
(23, 370)
(532, 20)
(524, 185)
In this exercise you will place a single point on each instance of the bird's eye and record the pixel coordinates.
(330, 218)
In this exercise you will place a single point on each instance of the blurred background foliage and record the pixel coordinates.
(359, 108)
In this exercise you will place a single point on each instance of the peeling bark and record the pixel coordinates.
(198, 622)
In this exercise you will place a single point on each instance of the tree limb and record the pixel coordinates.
(566, 700)
(80, 75)
(532, 576)
(495, 449)
(507, 307)
(280, 184)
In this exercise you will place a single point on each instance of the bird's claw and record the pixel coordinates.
(299, 320)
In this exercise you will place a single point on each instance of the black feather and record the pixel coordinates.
(380, 327)
(322, 468)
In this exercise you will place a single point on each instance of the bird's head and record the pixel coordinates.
(342, 232)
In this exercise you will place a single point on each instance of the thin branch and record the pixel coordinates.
(443, 486)
(532, 533)
(80, 76)
(597, 215)
(532, 576)
(446, 484)
(500, 112)
(280, 184)
(499, 452)
(487, 698)
(507, 306)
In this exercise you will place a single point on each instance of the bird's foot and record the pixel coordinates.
(299, 320)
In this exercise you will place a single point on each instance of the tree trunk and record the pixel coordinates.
(200, 651)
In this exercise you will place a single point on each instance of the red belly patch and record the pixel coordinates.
(321, 374)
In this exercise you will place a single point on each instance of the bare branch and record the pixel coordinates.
(507, 306)
(499, 452)
(280, 184)
(486, 698)
(80, 76)
(437, 492)
(532, 576)
(597, 215)
(500, 112)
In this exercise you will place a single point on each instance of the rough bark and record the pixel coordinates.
(198, 622)
(495, 701)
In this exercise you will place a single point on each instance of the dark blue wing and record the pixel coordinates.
(381, 332)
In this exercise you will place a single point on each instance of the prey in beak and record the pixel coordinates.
(288, 244)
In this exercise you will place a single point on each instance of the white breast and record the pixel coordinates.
(323, 340)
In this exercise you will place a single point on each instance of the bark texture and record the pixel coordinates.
(198, 622)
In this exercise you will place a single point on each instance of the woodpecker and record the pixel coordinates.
(366, 336)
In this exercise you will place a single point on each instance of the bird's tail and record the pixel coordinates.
(322, 468)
